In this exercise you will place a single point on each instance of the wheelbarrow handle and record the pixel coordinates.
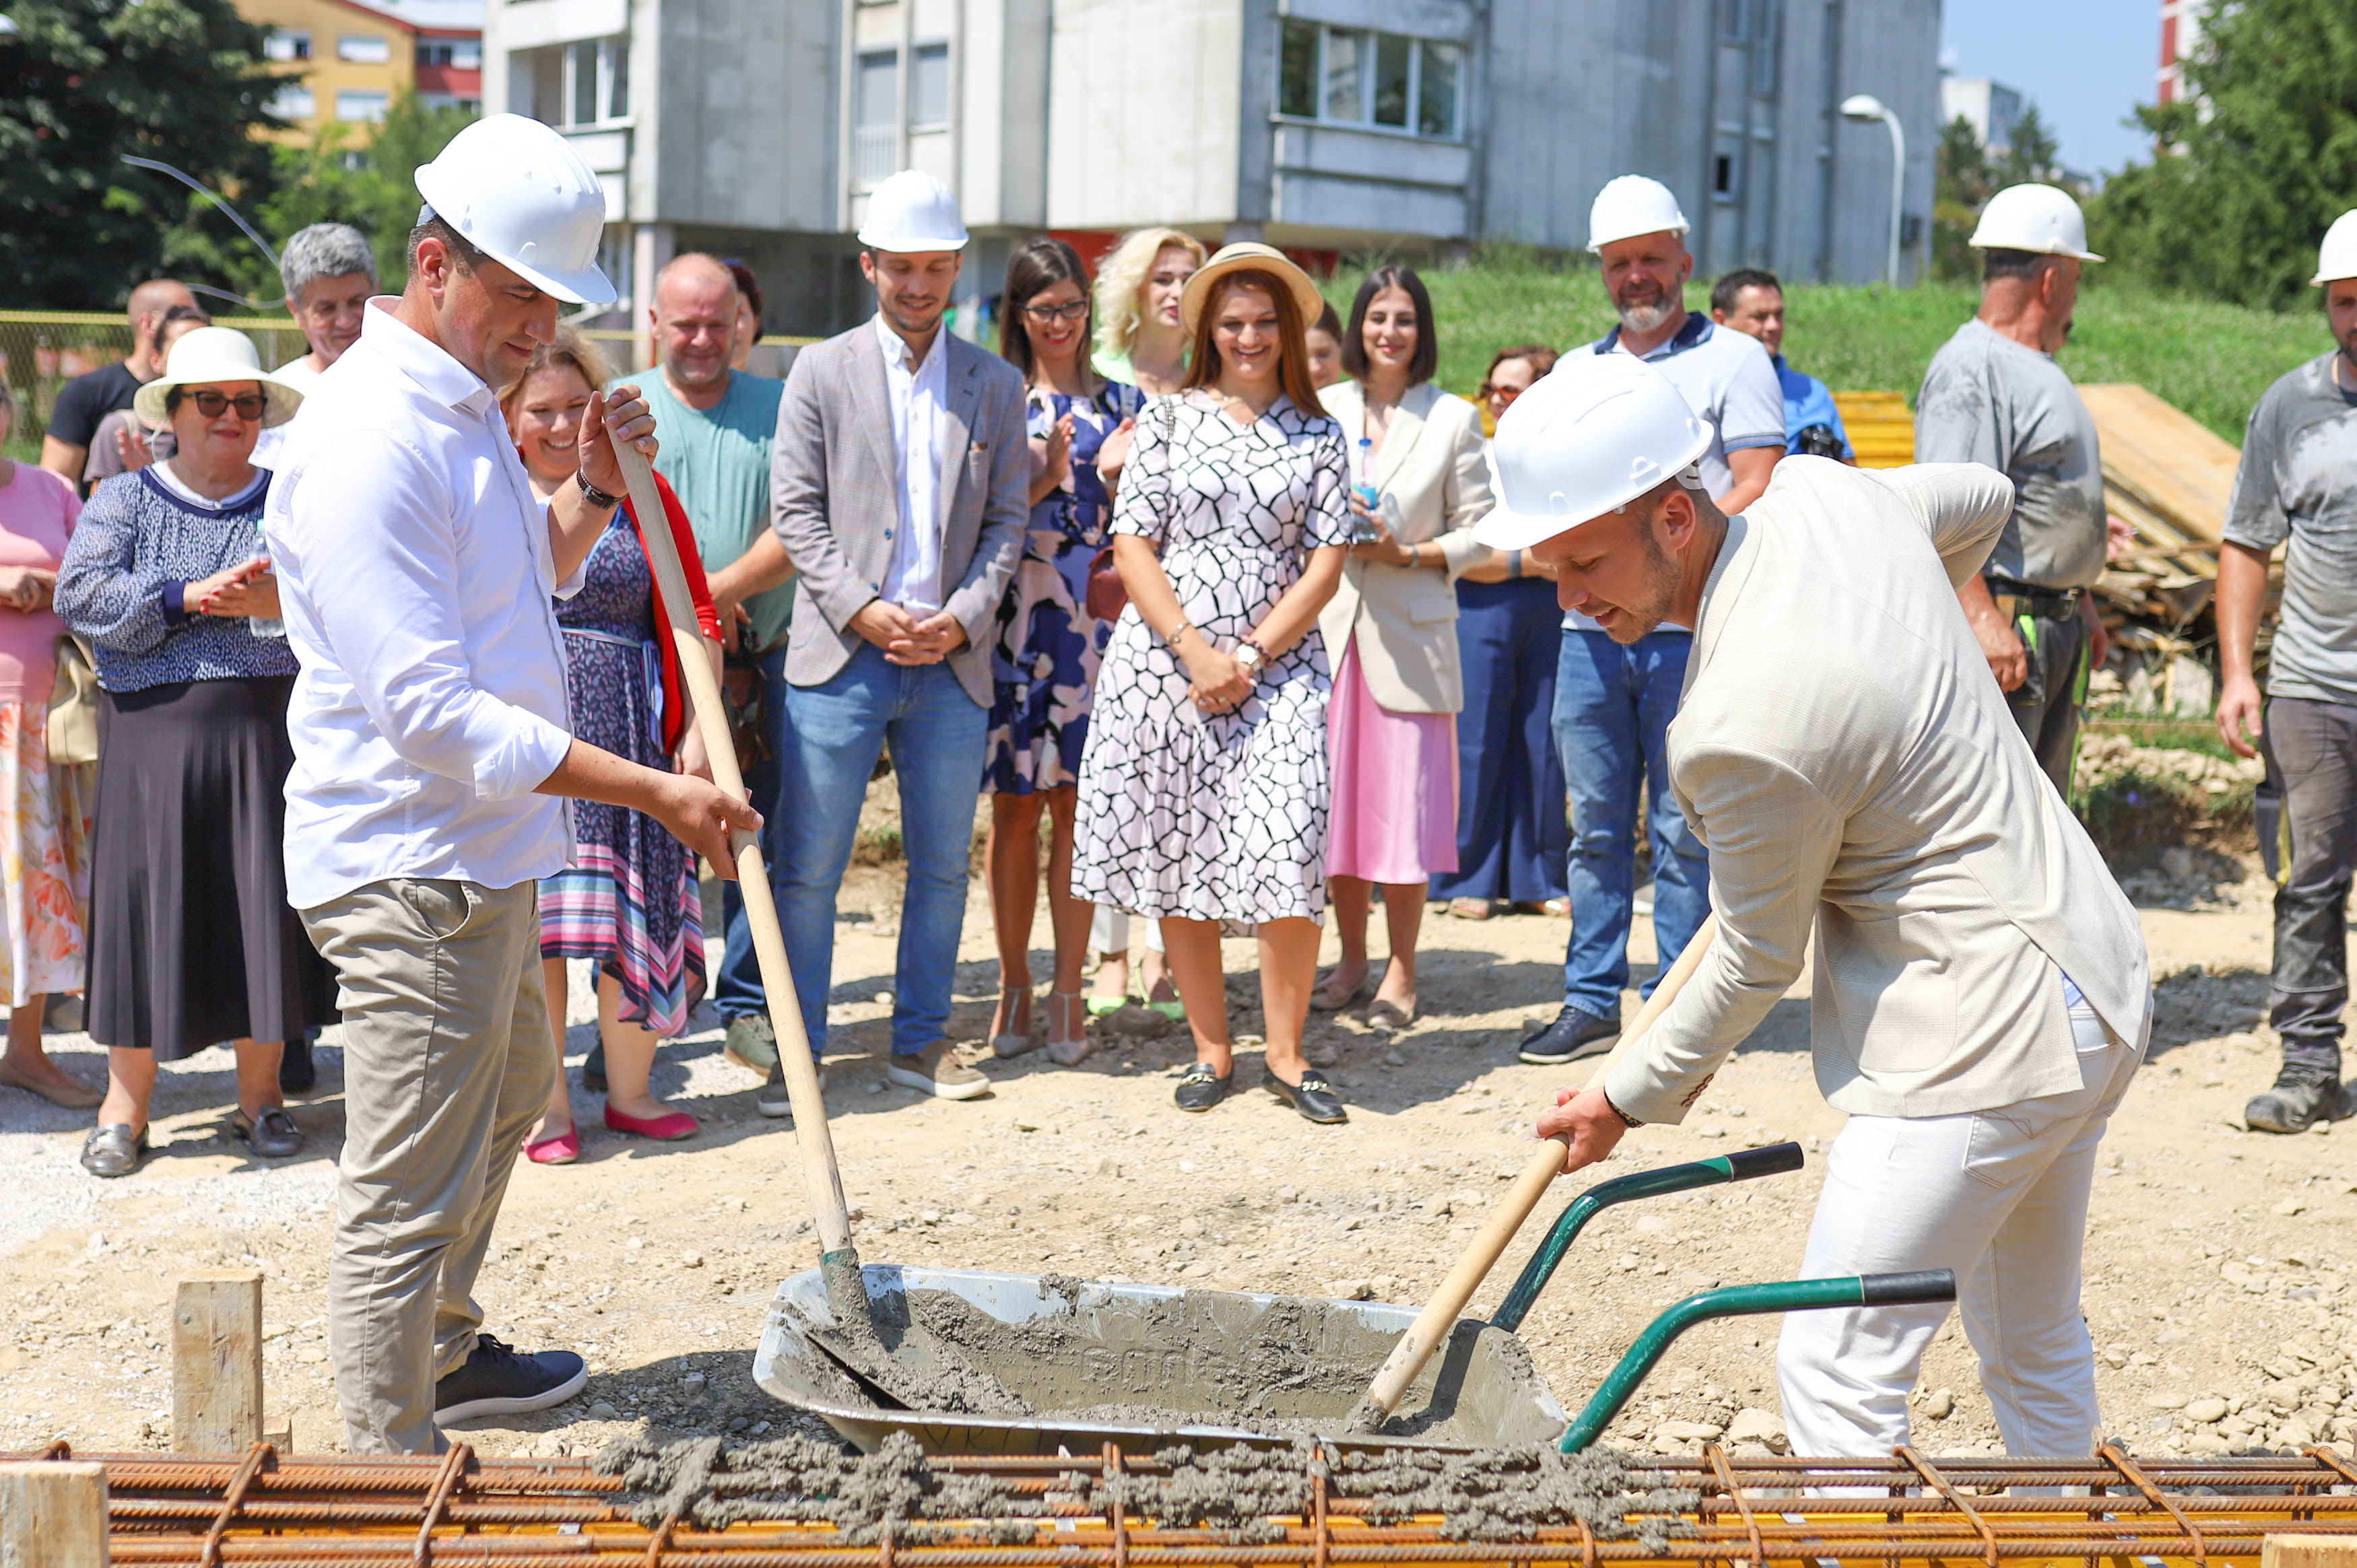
(1741, 1165)
(1737, 1301)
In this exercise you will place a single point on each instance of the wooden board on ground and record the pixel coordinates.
(2166, 461)
(1881, 430)
(217, 1362)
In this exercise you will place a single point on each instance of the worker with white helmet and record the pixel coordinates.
(433, 756)
(1613, 704)
(2296, 488)
(1980, 994)
(1995, 395)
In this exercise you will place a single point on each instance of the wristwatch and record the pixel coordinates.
(1252, 657)
(595, 496)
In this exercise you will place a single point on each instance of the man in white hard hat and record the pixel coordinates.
(433, 756)
(1613, 704)
(899, 486)
(1980, 996)
(2297, 487)
(1995, 395)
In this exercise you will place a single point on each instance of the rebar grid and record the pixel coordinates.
(213, 1512)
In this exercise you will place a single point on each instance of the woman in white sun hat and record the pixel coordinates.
(191, 941)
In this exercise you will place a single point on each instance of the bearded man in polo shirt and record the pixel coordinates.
(432, 757)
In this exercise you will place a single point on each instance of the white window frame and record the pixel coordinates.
(384, 103)
(568, 79)
(280, 46)
(949, 84)
(1368, 53)
(292, 90)
(363, 49)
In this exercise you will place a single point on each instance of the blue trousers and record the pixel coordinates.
(1612, 711)
(737, 984)
(833, 734)
(1510, 831)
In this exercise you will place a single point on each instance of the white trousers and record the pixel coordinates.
(1109, 931)
(2000, 1197)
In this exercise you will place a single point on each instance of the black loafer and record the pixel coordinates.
(297, 1072)
(113, 1150)
(1200, 1088)
(593, 1069)
(1573, 1035)
(1313, 1097)
(273, 1134)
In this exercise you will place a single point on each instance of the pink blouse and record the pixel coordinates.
(38, 510)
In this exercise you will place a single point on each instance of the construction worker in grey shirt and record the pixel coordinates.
(1994, 395)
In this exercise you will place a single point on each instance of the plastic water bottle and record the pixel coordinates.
(274, 627)
(1362, 530)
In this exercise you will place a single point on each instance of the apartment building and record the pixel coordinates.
(343, 61)
(755, 128)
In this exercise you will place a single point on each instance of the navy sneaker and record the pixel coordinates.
(497, 1380)
(1573, 1035)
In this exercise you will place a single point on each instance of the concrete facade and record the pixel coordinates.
(754, 128)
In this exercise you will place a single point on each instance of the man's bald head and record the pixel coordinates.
(694, 321)
(149, 301)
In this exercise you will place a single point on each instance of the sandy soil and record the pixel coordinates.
(2218, 1264)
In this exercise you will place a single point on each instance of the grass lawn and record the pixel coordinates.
(2211, 361)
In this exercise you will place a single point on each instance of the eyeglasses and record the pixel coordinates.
(213, 404)
(1501, 396)
(1044, 314)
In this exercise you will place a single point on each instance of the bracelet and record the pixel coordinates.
(1170, 639)
(595, 496)
(1513, 564)
(1626, 1119)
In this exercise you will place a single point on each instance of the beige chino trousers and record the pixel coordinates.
(446, 1070)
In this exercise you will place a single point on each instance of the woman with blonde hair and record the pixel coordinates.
(1141, 339)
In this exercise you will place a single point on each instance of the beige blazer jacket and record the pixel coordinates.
(1433, 471)
(1844, 757)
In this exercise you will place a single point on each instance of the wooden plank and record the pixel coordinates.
(2308, 1551)
(2170, 462)
(53, 1515)
(217, 1363)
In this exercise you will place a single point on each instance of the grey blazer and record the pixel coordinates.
(833, 498)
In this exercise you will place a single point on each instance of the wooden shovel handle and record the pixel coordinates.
(1434, 1324)
(820, 1175)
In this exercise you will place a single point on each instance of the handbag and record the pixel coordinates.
(73, 704)
(1107, 595)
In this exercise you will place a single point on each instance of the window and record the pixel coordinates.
(597, 86)
(1353, 77)
(361, 107)
(456, 54)
(874, 117)
(294, 100)
(286, 44)
(929, 87)
(364, 49)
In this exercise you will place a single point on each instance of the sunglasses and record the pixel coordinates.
(213, 404)
(1044, 314)
(1502, 394)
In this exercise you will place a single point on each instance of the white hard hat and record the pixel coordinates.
(518, 192)
(913, 211)
(1590, 436)
(2035, 218)
(211, 354)
(2337, 257)
(1630, 206)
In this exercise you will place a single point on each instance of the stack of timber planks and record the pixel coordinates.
(2170, 478)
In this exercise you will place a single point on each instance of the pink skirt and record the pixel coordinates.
(1395, 806)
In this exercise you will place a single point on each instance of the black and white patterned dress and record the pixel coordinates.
(1215, 816)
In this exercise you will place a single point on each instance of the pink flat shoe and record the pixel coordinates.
(668, 1128)
(561, 1149)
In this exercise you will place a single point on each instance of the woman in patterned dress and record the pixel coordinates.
(629, 899)
(1203, 791)
(1045, 659)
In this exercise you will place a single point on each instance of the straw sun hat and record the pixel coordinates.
(1247, 255)
(211, 354)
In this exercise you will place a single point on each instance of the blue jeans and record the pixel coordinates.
(834, 734)
(737, 985)
(1612, 711)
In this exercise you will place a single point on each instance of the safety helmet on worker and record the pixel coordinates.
(1631, 205)
(1590, 437)
(2034, 217)
(523, 195)
(2337, 257)
(910, 212)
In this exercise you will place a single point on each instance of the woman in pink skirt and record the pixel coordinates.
(1391, 635)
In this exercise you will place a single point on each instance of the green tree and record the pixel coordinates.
(2033, 155)
(372, 186)
(2242, 186)
(85, 81)
(1963, 186)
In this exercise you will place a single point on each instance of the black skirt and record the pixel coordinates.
(191, 941)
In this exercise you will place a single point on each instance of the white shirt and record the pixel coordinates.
(415, 575)
(1731, 383)
(918, 395)
(270, 446)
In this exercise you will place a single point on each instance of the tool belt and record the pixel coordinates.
(2015, 599)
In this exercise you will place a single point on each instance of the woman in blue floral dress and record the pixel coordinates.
(1045, 656)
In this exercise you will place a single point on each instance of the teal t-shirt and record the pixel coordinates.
(717, 460)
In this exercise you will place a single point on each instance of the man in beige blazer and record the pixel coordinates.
(1980, 997)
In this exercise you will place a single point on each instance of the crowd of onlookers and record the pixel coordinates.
(1181, 577)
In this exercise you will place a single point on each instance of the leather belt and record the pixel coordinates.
(2015, 599)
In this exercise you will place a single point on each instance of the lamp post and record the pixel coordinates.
(1865, 107)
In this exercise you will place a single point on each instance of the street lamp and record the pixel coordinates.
(1866, 107)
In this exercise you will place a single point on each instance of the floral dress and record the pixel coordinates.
(1215, 816)
(1044, 661)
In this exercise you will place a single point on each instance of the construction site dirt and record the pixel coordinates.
(2218, 1284)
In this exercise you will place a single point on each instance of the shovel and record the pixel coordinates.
(901, 1371)
(1436, 1322)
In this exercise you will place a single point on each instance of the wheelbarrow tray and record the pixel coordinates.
(1142, 1365)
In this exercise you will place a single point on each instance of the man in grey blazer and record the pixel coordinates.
(898, 483)
(1981, 996)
